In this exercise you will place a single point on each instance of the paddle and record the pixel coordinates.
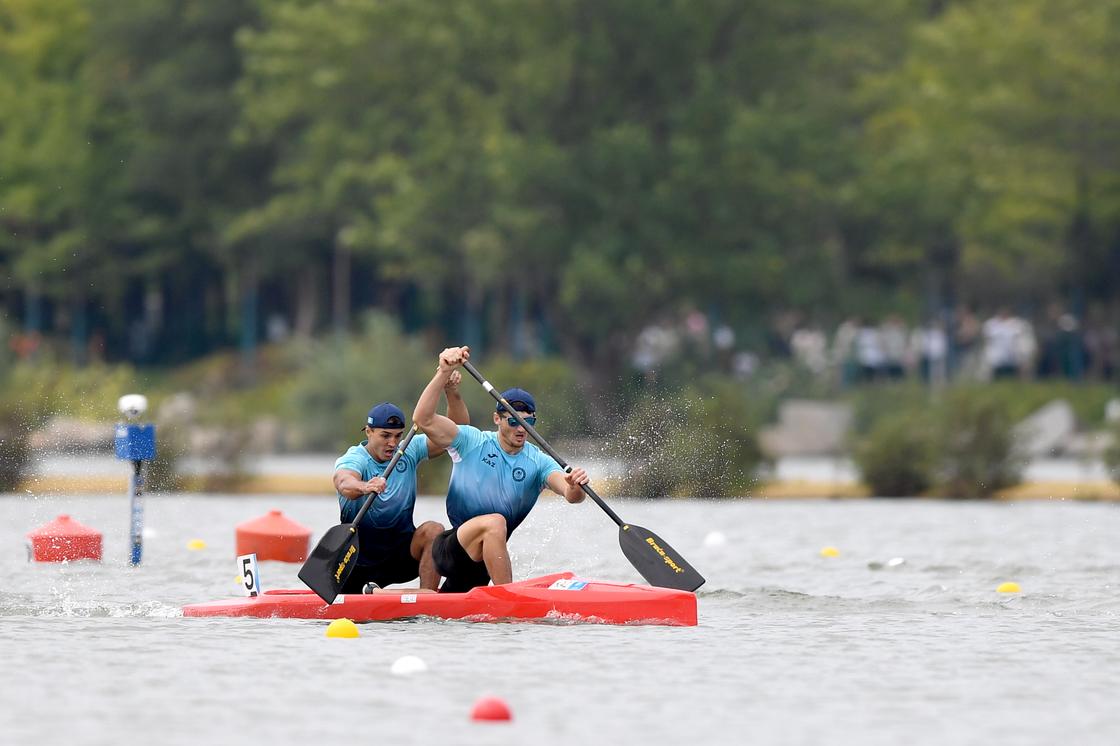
(325, 571)
(651, 555)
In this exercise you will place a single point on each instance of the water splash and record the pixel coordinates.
(679, 445)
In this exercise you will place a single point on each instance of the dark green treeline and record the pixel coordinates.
(175, 173)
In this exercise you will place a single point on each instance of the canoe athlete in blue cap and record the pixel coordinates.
(495, 482)
(392, 549)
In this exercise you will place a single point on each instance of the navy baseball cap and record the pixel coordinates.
(519, 399)
(385, 415)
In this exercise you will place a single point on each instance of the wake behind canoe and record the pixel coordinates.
(557, 597)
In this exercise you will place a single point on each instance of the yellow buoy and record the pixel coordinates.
(830, 552)
(342, 628)
(1008, 588)
(195, 544)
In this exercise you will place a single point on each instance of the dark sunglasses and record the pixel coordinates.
(529, 419)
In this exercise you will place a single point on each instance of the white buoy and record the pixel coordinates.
(892, 562)
(715, 539)
(407, 665)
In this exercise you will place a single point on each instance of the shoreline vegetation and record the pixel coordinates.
(710, 238)
(685, 432)
(778, 489)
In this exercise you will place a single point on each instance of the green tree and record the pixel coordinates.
(48, 242)
(998, 139)
(164, 73)
(588, 160)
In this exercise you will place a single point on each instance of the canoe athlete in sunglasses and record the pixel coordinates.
(495, 482)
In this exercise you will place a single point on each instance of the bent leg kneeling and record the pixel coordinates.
(424, 537)
(427, 532)
(477, 530)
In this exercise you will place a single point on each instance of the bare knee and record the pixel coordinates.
(427, 531)
(487, 529)
(423, 537)
(494, 526)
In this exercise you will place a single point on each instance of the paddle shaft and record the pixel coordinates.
(540, 441)
(384, 475)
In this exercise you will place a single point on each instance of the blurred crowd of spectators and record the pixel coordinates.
(960, 345)
(1004, 345)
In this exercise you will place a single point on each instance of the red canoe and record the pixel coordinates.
(558, 597)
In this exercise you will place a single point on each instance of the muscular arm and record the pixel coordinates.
(351, 485)
(568, 485)
(456, 407)
(456, 410)
(441, 431)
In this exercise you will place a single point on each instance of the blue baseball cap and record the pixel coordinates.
(519, 399)
(385, 415)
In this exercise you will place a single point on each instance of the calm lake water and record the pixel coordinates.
(792, 647)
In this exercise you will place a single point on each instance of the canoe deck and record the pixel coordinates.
(559, 597)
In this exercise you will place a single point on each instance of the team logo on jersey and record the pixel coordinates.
(518, 474)
(401, 467)
(490, 459)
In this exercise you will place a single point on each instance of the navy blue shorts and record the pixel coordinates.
(461, 573)
(393, 564)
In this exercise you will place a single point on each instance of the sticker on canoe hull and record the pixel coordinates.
(408, 598)
(567, 584)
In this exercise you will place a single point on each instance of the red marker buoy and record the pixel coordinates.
(274, 537)
(491, 708)
(63, 540)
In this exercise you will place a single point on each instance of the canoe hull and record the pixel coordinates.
(558, 597)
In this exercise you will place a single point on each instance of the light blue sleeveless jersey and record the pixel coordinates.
(486, 479)
(391, 511)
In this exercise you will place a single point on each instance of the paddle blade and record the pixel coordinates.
(331, 561)
(658, 562)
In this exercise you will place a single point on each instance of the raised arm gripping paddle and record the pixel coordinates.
(651, 555)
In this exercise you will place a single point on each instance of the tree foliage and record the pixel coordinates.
(586, 167)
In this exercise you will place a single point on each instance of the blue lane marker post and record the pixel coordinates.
(136, 443)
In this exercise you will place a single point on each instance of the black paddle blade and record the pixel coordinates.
(658, 562)
(331, 561)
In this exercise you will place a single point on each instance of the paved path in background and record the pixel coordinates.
(843, 470)
(309, 465)
(302, 465)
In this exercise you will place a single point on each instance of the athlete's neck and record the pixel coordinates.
(508, 447)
